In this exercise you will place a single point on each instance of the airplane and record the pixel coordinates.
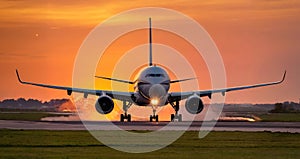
(151, 89)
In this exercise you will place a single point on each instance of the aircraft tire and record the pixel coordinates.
(122, 118)
(156, 118)
(180, 117)
(128, 118)
(172, 117)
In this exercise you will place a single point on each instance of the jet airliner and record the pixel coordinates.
(151, 89)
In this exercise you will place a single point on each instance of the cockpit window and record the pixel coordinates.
(155, 75)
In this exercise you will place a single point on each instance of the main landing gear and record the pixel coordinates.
(154, 117)
(125, 116)
(176, 116)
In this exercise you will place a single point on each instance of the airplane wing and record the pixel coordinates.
(175, 96)
(123, 96)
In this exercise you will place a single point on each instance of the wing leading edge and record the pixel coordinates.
(124, 96)
(128, 96)
(173, 96)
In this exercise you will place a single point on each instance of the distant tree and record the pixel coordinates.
(283, 108)
(8, 103)
(21, 102)
(278, 108)
(33, 103)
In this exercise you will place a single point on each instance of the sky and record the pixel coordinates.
(257, 39)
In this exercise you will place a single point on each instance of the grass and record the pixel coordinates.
(30, 116)
(80, 144)
(282, 117)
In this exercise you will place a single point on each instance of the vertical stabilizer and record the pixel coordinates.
(150, 43)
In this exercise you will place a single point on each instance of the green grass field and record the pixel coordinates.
(27, 116)
(80, 144)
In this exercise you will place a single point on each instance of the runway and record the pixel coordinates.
(292, 127)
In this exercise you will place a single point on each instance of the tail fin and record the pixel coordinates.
(150, 43)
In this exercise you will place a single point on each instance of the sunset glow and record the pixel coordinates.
(258, 40)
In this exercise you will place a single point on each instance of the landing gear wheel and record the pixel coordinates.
(176, 116)
(122, 118)
(125, 116)
(128, 118)
(155, 117)
(172, 117)
(180, 117)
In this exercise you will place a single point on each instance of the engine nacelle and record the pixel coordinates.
(104, 104)
(194, 104)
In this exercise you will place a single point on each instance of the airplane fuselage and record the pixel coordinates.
(152, 86)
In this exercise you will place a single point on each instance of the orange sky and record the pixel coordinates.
(257, 39)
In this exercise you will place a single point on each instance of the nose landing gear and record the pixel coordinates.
(124, 117)
(155, 117)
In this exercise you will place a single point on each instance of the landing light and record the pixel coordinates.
(154, 101)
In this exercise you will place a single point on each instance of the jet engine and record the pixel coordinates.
(194, 104)
(104, 104)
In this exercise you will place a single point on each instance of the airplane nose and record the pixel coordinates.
(157, 91)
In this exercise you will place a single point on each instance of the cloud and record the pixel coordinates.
(83, 13)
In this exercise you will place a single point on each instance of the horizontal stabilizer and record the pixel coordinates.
(114, 79)
(181, 80)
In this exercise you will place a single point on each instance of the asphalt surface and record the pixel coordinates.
(292, 127)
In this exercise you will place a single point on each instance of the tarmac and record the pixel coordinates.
(291, 127)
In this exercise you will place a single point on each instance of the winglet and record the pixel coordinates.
(18, 76)
(283, 78)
